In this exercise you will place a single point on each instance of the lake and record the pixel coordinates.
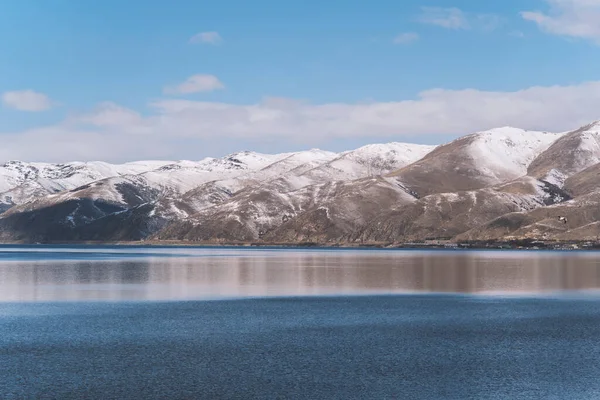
(112, 322)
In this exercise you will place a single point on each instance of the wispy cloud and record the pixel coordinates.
(406, 38)
(451, 18)
(195, 84)
(455, 18)
(108, 114)
(175, 126)
(573, 18)
(27, 100)
(206, 38)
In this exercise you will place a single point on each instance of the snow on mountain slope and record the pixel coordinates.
(287, 164)
(366, 161)
(217, 191)
(475, 161)
(302, 169)
(20, 181)
(572, 153)
(68, 175)
(254, 213)
(243, 160)
(507, 152)
(176, 191)
(119, 193)
(180, 178)
(296, 163)
(370, 160)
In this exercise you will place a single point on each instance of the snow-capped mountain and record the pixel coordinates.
(366, 161)
(179, 178)
(21, 182)
(370, 160)
(476, 161)
(68, 175)
(169, 180)
(504, 182)
(294, 171)
(289, 164)
(314, 184)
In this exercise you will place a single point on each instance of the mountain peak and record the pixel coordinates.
(511, 130)
(503, 129)
(593, 127)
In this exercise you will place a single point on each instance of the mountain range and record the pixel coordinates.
(498, 185)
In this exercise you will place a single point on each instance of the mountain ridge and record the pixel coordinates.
(500, 184)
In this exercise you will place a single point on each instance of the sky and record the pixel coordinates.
(181, 79)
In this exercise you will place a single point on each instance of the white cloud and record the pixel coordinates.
(406, 38)
(206, 38)
(455, 18)
(26, 100)
(176, 127)
(436, 111)
(108, 114)
(451, 18)
(195, 84)
(573, 18)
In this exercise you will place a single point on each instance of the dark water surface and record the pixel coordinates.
(115, 323)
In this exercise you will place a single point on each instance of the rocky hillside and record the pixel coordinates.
(501, 184)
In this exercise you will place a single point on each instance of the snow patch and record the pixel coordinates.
(505, 153)
(556, 177)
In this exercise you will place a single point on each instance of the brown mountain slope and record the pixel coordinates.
(449, 214)
(541, 224)
(568, 155)
(584, 182)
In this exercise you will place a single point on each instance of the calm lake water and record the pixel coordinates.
(220, 323)
(143, 273)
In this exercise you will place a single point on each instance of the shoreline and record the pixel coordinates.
(439, 245)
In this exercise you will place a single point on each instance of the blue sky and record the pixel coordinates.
(107, 80)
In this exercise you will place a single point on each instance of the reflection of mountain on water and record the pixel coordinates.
(296, 273)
